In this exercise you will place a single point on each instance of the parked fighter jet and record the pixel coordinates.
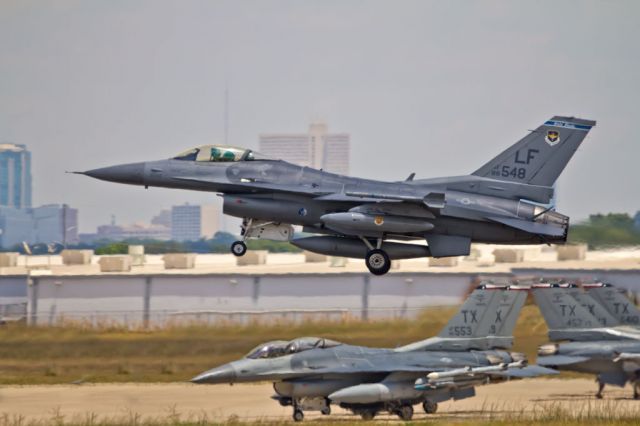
(593, 339)
(355, 216)
(313, 373)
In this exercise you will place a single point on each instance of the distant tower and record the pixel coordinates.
(15, 176)
(226, 114)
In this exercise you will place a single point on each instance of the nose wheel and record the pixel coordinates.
(238, 248)
(378, 262)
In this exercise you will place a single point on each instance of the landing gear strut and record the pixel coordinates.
(600, 389)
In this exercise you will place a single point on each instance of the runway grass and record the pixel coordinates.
(39, 355)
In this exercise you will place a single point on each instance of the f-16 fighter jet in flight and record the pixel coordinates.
(312, 373)
(594, 332)
(355, 217)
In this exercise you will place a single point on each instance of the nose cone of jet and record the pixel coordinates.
(222, 374)
(132, 173)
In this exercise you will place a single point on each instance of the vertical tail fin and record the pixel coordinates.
(615, 302)
(488, 311)
(565, 317)
(485, 321)
(539, 157)
(605, 319)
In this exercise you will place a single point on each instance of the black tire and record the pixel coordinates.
(430, 407)
(298, 415)
(367, 414)
(327, 409)
(238, 248)
(378, 262)
(405, 412)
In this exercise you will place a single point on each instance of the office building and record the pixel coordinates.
(15, 176)
(193, 222)
(317, 148)
(46, 224)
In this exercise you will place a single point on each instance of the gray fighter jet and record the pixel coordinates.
(591, 337)
(313, 373)
(354, 217)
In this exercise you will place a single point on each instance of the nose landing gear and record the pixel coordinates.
(238, 248)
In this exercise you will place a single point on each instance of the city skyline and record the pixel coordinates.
(317, 148)
(89, 84)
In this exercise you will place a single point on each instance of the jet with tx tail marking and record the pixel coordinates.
(594, 332)
(314, 373)
(501, 202)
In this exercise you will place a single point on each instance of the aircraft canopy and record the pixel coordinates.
(219, 154)
(279, 348)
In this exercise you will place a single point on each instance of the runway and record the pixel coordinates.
(252, 402)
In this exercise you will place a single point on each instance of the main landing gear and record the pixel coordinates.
(405, 412)
(239, 248)
(430, 407)
(376, 259)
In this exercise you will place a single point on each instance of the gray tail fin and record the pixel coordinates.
(539, 157)
(565, 317)
(615, 302)
(595, 308)
(485, 321)
(489, 313)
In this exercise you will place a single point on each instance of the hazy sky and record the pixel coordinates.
(448, 84)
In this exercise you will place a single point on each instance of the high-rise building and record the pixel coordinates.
(192, 222)
(317, 148)
(15, 176)
(47, 224)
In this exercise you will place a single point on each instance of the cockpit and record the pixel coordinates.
(278, 348)
(219, 154)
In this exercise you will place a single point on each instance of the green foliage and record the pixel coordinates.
(602, 231)
(113, 248)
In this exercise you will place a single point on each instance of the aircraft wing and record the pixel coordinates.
(553, 360)
(528, 226)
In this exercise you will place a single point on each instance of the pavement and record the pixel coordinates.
(251, 402)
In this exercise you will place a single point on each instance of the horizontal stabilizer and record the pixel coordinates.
(531, 227)
(556, 360)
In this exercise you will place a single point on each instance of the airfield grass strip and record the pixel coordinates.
(78, 353)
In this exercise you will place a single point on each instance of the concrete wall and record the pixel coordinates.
(155, 300)
(137, 300)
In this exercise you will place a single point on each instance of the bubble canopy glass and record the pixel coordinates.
(219, 154)
(279, 348)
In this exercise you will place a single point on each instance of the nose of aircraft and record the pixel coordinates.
(222, 374)
(132, 173)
